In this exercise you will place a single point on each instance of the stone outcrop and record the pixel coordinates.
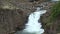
(10, 20)
(14, 14)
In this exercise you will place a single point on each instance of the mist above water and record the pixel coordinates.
(33, 26)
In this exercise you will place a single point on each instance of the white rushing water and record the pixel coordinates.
(33, 26)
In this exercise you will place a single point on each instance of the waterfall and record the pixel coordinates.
(33, 26)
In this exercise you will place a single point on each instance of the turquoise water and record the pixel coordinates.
(33, 26)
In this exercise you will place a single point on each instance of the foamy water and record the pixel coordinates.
(33, 26)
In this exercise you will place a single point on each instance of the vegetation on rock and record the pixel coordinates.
(52, 23)
(55, 12)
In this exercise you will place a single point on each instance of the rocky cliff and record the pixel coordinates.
(14, 13)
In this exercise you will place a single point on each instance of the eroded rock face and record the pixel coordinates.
(51, 29)
(14, 14)
(10, 20)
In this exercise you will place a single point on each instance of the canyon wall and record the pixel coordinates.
(14, 13)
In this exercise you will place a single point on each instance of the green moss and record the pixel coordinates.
(55, 12)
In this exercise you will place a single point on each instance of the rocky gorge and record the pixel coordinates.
(14, 14)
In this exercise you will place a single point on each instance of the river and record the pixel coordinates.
(33, 26)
